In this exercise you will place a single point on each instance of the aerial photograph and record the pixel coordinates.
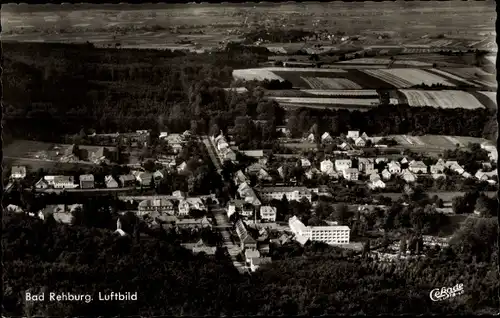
(253, 159)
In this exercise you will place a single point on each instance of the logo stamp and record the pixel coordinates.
(440, 294)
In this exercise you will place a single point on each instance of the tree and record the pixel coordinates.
(366, 248)
(149, 165)
(402, 247)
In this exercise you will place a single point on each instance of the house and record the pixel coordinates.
(481, 176)
(351, 174)
(360, 142)
(145, 178)
(342, 164)
(14, 209)
(229, 154)
(437, 168)
(110, 182)
(263, 175)
(18, 172)
(394, 167)
(408, 176)
(127, 180)
(374, 177)
(326, 166)
(311, 172)
(64, 182)
(326, 138)
(310, 138)
(438, 175)
(380, 159)
(451, 163)
(239, 178)
(59, 212)
(417, 167)
(263, 248)
(192, 223)
(41, 184)
(305, 163)
(291, 193)
(182, 167)
(159, 205)
(281, 172)
(255, 263)
(377, 184)
(344, 146)
(268, 213)
(386, 175)
(249, 254)
(254, 168)
(242, 207)
(366, 165)
(353, 134)
(253, 153)
(201, 247)
(158, 176)
(247, 242)
(176, 147)
(87, 181)
(466, 175)
(404, 161)
(183, 208)
(457, 168)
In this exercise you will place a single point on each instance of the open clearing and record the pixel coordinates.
(407, 77)
(443, 99)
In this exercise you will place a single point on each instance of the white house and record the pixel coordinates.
(386, 175)
(394, 167)
(360, 142)
(64, 182)
(326, 166)
(417, 167)
(481, 176)
(268, 213)
(18, 172)
(351, 174)
(377, 184)
(326, 137)
(305, 163)
(437, 168)
(344, 146)
(110, 182)
(42, 184)
(353, 134)
(438, 175)
(380, 159)
(366, 165)
(408, 176)
(342, 164)
(291, 193)
(404, 160)
(181, 167)
(374, 177)
(310, 138)
(184, 207)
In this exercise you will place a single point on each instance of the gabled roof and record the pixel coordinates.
(87, 177)
(19, 170)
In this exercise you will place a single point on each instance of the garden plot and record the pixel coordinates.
(443, 99)
(407, 77)
(346, 92)
(367, 61)
(330, 83)
(328, 101)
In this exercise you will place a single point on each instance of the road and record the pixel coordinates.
(212, 153)
(224, 226)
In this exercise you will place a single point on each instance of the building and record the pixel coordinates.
(377, 184)
(360, 142)
(353, 134)
(247, 242)
(241, 207)
(59, 212)
(159, 205)
(366, 165)
(481, 176)
(380, 159)
(145, 178)
(291, 193)
(310, 138)
(192, 223)
(394, 167)
(326, 166)
(258, 154)
(64, 182)
(408, 176)
(228, 154)
(127, 180)
(240, 177)
(417, 167)
(268, 213)
(183, 208)
(110, 182)
(249, 254)
(334, 234)
(181, 167)
(326, 138)
(438, 175)
(263, 175)
(255, 263)
(42, 184)
(305, 163)
(313, 171)
(437, 168)
(386, 175)
(158, 176)
(342, 164)
(351, 174)
(87, 181)
(18, 172)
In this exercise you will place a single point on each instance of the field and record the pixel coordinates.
(491, 95)
(443, 99)
(437, 141)
(343, 93)
(452, 77)
(407, 77)
(367, 61)
(330, 83)
(255, 74)
(329, 101)
(403, 63)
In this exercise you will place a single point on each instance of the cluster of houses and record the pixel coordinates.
(222, 148)
(254, 250)
(352, 139)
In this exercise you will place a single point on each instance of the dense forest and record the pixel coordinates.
(70, 87)
(44, 256)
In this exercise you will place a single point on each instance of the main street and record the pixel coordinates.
(212, 153)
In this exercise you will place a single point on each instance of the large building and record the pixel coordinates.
(334, 234)
(291, 193)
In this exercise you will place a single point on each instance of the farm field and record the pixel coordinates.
(491, 95)
(345, 92)
(436, 141)
(475, 75)
(330, 83)
(406, 77)
(451, 77)
(382, 61)
(255, 74)
(443, 99)
(400, 63)
(329, 101)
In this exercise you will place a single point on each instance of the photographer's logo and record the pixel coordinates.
(439, 294)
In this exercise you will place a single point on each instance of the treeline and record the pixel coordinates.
(44, 256)
(277, 35)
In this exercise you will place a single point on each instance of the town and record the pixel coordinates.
(250, 160)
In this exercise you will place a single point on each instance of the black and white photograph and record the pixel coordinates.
(250, 159)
